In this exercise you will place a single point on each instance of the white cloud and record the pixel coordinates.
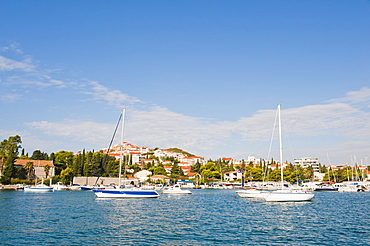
(14, 47)
(81, 131)
(9, 65)
(10, 98)
(160, 127)
(110, 96)
(361, 97)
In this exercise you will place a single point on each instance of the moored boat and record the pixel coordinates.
(75, 187)
(39, 188)
(176, 189)
(59, 186)
(86, 187)
(326, 187)
(286, 194)
(250, 192)
(126, 193)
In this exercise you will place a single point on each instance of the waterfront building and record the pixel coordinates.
(307, 162)
(161, 178)
(233, 176)
(38, 168)
(143, 175)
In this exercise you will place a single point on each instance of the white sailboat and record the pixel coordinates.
(39, 188)
(286, 194)
(126, 192)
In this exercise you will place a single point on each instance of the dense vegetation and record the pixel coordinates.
(96, 163)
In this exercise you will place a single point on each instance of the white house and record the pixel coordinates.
(142, 175)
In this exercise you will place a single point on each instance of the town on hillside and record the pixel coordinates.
(145, 165)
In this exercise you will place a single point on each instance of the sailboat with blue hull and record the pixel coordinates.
(126, 193)
(134, 192)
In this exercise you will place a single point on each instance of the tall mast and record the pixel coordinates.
(281, 150)
(121, 148)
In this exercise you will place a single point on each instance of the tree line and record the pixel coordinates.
(96, 163)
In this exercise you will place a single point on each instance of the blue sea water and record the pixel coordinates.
(206, 217)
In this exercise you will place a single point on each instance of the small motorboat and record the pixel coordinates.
(176, 189)
(86, 187)
(59, 186)
(75, 187)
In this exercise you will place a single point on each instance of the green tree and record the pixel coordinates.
(255, 173)
(67, 175)
(195, 168)
(38, 155)
(135, 167)
(159, 171)
(63, 159)
(29, 168)
(275, 175)
(8, 153)
(46, 170)
(176, 171)
(210, 171)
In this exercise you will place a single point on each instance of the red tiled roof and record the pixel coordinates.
(159, 177)
(36, 163)
(190, 174)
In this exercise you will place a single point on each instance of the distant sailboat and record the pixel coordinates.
(126, 192)
(39, 188)
(286, 194)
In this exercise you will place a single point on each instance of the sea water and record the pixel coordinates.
(206, 217)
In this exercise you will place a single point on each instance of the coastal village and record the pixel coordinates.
(143, 156)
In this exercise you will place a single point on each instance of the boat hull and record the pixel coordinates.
(86, 188)
(177, 192)
(176, 189)
(250, 193)
(326, 189)
(126, 193)
(286, 196)
(35, 189)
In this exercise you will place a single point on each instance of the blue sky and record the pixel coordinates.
(203, 76)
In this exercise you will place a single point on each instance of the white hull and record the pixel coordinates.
(177, 192)
(59, 186)
(288, 196)
(176, 189)
(39, 189)
(126, 193)
(250, 193)
(75, 187)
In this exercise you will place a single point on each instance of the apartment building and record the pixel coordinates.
(307, 162)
